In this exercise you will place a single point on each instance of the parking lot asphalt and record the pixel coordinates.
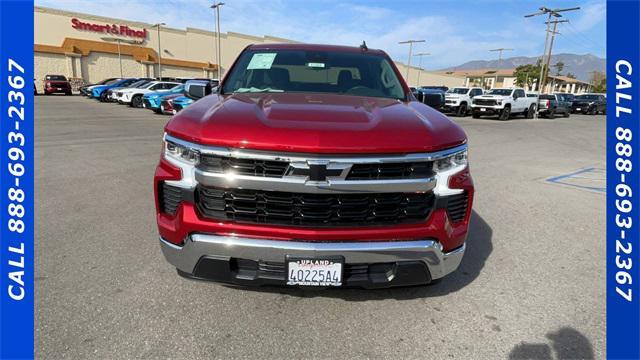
(531, 284)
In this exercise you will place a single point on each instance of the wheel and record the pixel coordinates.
(552, 114)
(604, 112)
(476, 115)
(531, 112)
(566, 114)
(103, 96)
(68, 93)
(505, 113)
(136, 101)
(462, 110)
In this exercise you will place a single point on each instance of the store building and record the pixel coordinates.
(88, 48)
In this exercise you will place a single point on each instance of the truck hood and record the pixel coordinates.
(315, 123)
(491, 97)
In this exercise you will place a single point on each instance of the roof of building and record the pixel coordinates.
(567, 79)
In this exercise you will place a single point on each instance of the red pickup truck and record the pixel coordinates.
(313, 165)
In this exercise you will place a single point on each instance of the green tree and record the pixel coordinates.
(571, 75)
(599, 82)
(559, 67)
(527, 74)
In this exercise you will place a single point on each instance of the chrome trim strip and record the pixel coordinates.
(302, 185)
(299, 157)
(196, 246)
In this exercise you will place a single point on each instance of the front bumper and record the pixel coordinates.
(487, 110)
(248, 261)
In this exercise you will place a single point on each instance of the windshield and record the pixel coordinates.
(586, 97)
(111, 82)
(359, 74)
(139, 83)
(56, 78)
(501, 92)
(458, 91)
(547, 97)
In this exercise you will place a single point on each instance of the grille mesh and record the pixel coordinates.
(171, 197)
(297, 209)
(390, 171)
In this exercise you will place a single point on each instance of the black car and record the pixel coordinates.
(589, 104)
(550, 105)
(433, 96)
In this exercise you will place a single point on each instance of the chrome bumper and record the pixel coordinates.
(185, 257)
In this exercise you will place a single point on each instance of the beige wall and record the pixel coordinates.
(48, 64)
(52, 27)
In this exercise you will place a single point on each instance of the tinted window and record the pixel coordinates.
(519, 93)
(547, 97)
(502, 92)
(348, 73)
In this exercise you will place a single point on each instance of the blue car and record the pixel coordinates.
(153, 100)
(181, 103)
(100, 92)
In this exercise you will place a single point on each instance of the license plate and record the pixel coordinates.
(144, 105)
(314, 272)
(578, 109)
(59, 89)
(483, 109)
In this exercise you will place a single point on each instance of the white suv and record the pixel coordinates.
(458, 99)
(133, 96)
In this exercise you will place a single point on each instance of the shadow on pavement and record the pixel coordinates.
(566, 343)
(479, 247)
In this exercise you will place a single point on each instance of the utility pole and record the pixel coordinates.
(159, 51)
(420, 64)
(216, 7)
(544, 59)
(500, 50)
(410, 42)
(553, 35)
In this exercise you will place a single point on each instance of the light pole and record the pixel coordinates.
(420, 64)
(159, 53)
(500, 50)
(118, 40)
(410, 42)
(216, 7)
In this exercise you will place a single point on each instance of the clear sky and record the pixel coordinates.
(455, 31)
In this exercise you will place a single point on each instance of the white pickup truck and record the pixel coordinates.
(458, 99)
(504, 103)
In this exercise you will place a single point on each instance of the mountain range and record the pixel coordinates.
(579, 65)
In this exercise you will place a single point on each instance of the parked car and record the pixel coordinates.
(111, 93)
(568, 96)
(589, 104)
(153, 101)
(100, 92)
(549, 105)
(504, 102)
(305, 181)
(433, 97)
(166, 105)
(133, 96)
(458, 99)
(182, 102)
(86, 89)
(56, 84)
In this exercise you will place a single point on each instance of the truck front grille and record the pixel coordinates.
(298, 209)
(409, 170)
(486, 102)
(238, 166)
(170, 197)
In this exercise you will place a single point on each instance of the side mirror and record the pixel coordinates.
(197, 91)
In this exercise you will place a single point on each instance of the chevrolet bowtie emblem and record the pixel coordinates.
(316, 172)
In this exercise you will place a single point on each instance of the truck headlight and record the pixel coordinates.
(457, 160)
(179, 152)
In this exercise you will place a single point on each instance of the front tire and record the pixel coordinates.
(462, 110)
(103, 96)
(552, 114)
(505, 113)
(136, 101)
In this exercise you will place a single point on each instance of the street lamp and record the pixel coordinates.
(159, 52)
(410, 42)
(420, 64)
(118, 40)
(216, 7)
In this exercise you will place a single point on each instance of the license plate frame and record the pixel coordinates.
(335, 263)
(483, 109)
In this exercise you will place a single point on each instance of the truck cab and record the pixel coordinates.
(504, 102)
